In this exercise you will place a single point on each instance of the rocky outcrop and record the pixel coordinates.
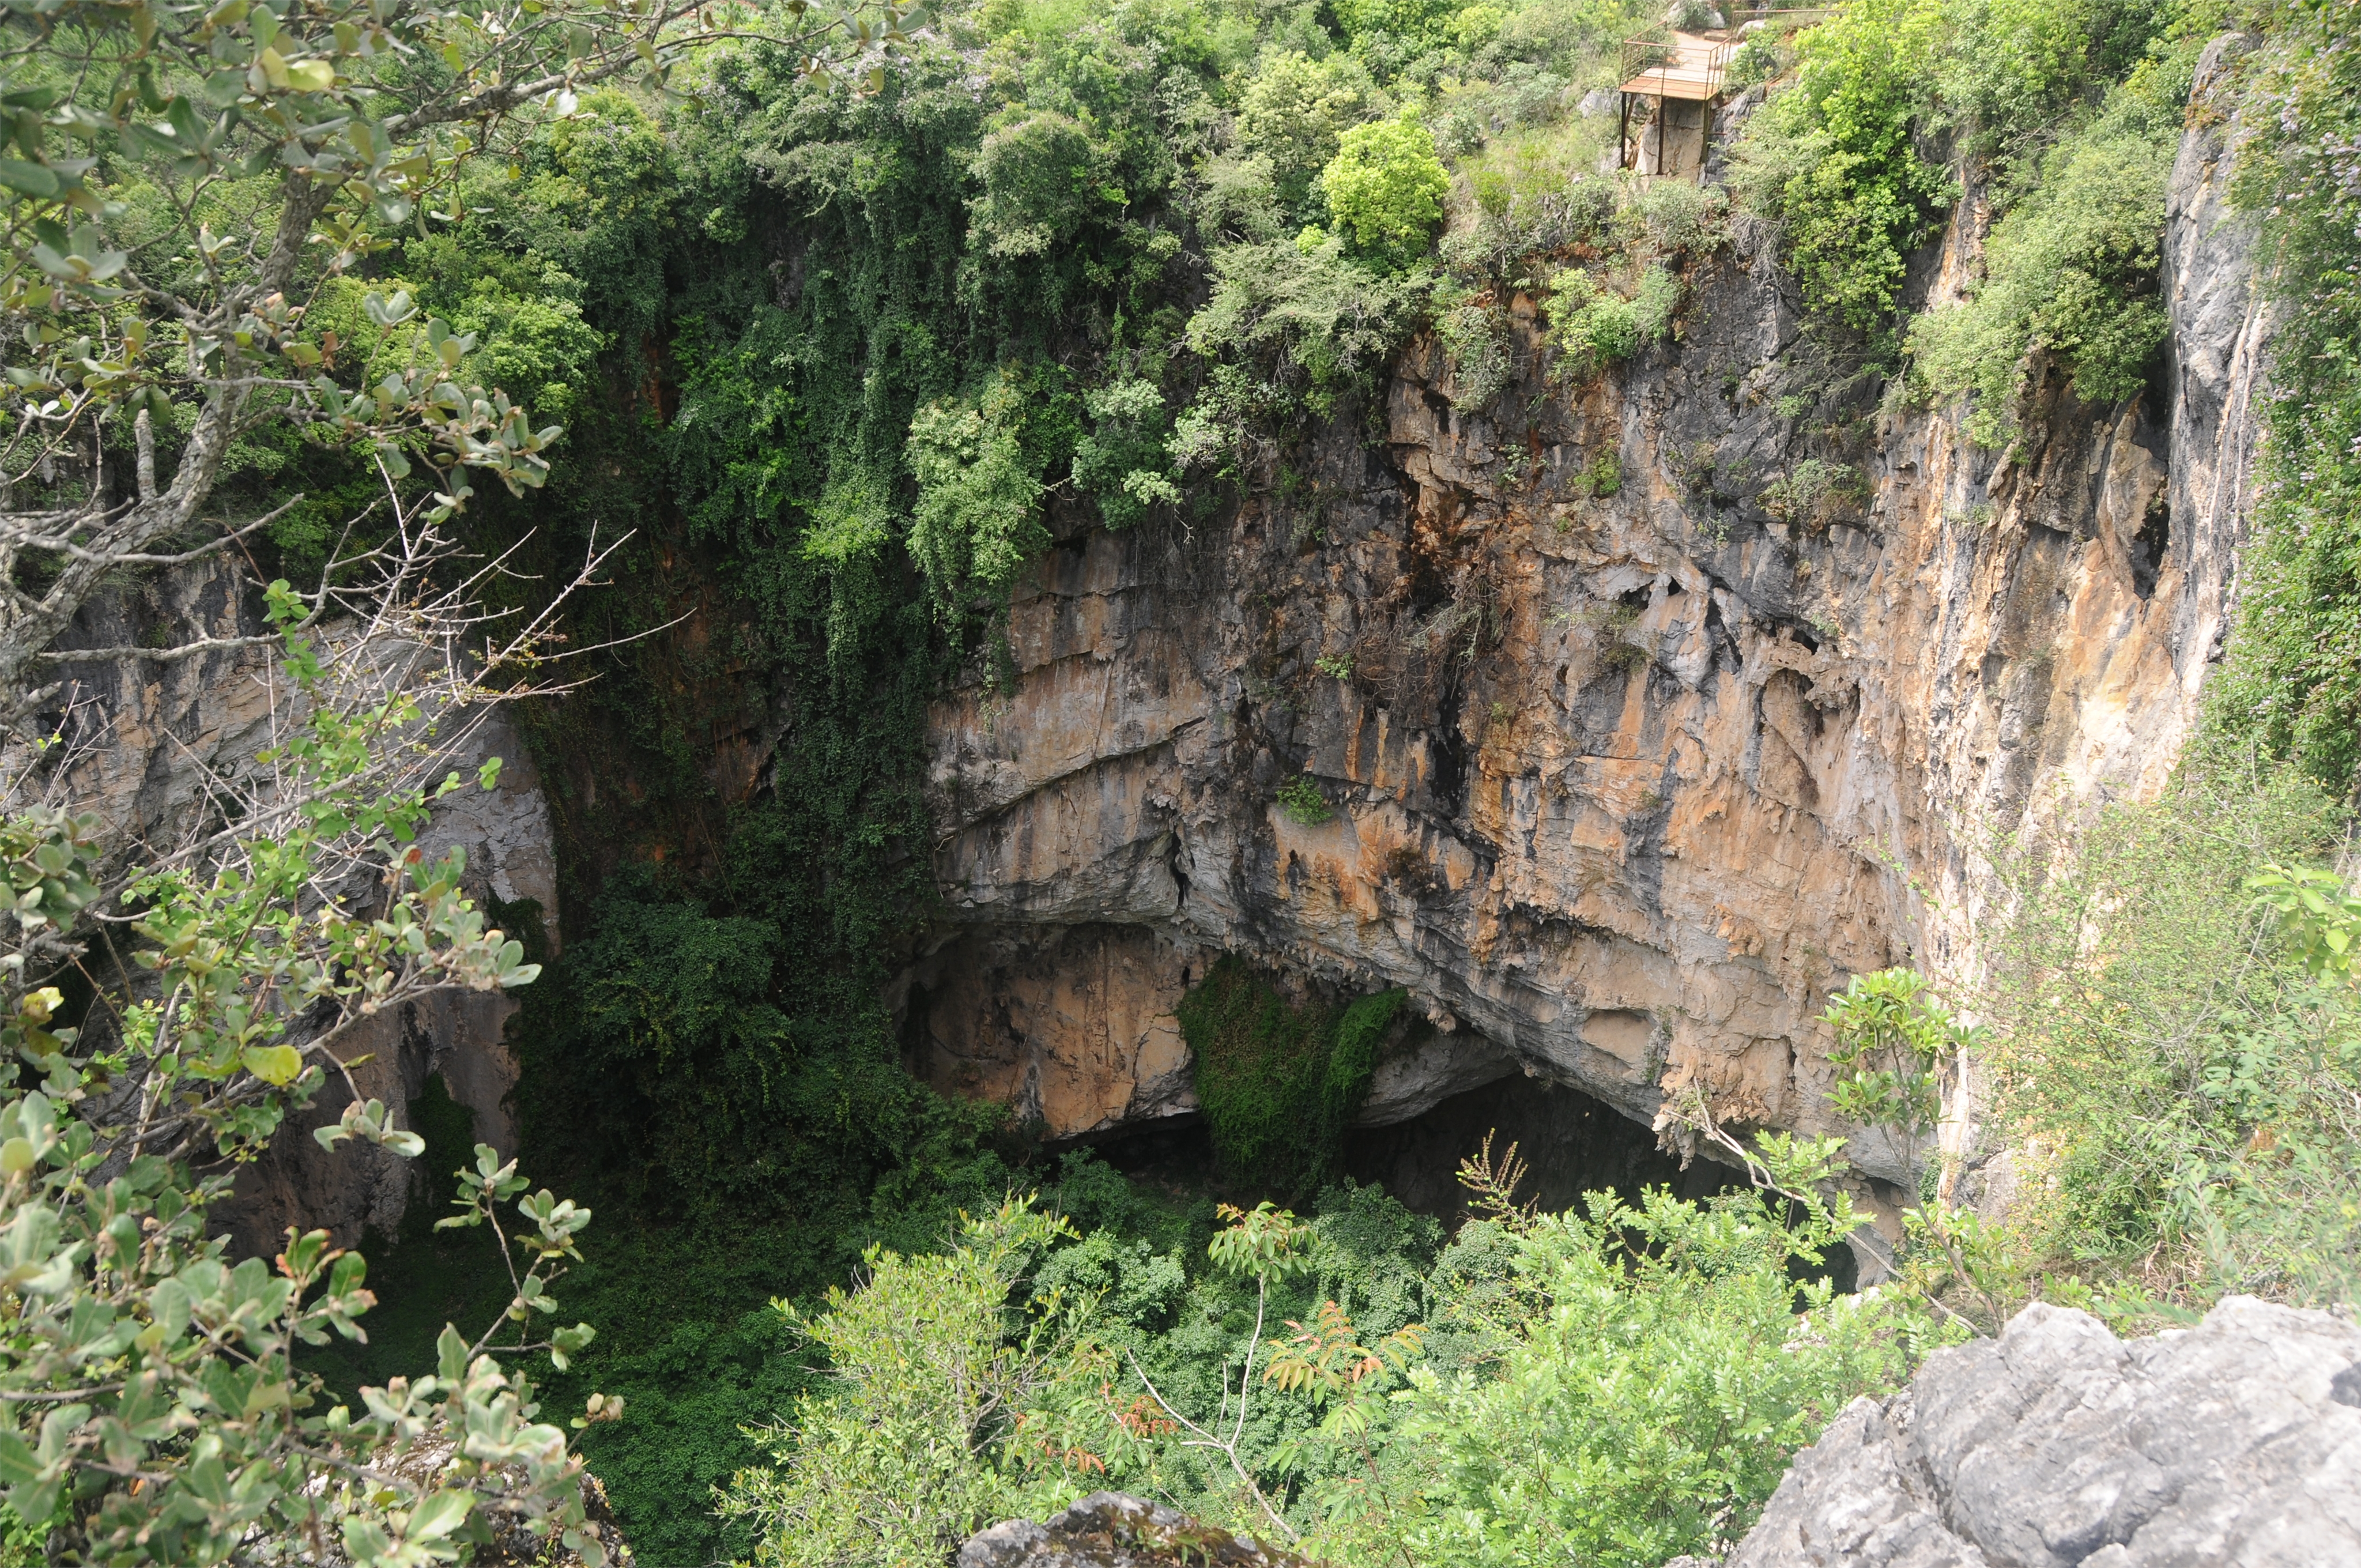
(2056, 1444)
(456, 1036)
(147, 745)
(1111, 1529)
(1645, 710)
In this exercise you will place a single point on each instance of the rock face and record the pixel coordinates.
(1111, 1529)
(145, 743)
(1638, 706)
(2056, 1444)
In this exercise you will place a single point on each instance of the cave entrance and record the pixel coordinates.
(1571, 1144)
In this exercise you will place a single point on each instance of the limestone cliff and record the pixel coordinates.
(1647, 709)
(147, 745)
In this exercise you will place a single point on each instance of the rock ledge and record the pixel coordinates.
(1112, 1529)
(2060, 1446)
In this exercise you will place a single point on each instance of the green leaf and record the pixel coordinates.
(438, 1515)
(450, 1355)
(276, 1065)
(18, 1465)
(27, 178)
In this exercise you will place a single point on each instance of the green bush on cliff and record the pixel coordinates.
(2071, 271)
(1850, 160)
(1278, 1081)
(1834, 159)
(2291, 683)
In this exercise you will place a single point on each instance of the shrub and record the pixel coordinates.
(1385, 188)
(1654, 1376)
(2071, 270)
(1300, 797)
(1595, 327)
(1674, 216)
(1121, 463)
(1475, 340)
(1758, 59)
(1416, 25)
(978, 516)
(1043, 177)
(1817, 493)
(1832, 160)
(1291, 329)
(949, 1413)
(2176, 1063)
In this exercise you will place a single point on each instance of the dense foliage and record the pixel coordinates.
(2178, 1055)
(1616, 1387)
(2293, 684)
(1278, 1082)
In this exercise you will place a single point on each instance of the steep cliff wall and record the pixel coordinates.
(1622, 784)
(149, 744)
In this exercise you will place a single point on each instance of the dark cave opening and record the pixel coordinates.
(1571, 1144)
(2151, 545)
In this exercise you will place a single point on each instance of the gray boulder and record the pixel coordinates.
(1111, 1529)
(2060, 1446)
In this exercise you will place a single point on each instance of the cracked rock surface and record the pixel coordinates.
(2060, 1446)
(1113, 1529)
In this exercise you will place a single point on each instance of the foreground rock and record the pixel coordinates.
(1109, 1529)
(2057, 1444)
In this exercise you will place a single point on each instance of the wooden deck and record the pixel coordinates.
(1691, 67)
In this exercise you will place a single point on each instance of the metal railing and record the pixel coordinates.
(1655, 50)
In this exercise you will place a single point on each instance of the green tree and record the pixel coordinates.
(950, 1409)
(185, 180)
(1653, 1374)
(1386, 189)
(1292, 111)
(1833, 158)
(2071, 269)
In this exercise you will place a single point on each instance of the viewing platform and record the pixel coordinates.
(1677, 80)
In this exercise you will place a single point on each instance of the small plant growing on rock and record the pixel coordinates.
(1301, 798)
(1895, 1041)
(1816, 494)
(1627, 658)
(1600, 477)
(1336, 666)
